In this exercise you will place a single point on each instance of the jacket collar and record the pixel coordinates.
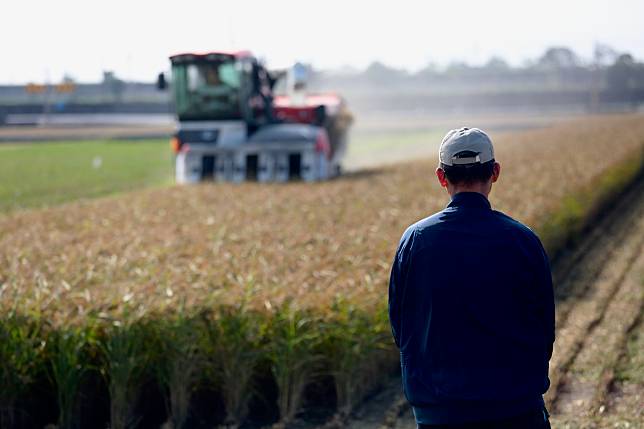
(470, 199)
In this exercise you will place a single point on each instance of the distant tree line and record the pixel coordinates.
(558, 68)
(557, 79)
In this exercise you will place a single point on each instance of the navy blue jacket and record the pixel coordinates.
(471, 308)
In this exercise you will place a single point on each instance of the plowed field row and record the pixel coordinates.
(625, 401)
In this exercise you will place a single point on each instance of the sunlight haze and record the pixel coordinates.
(45, 40)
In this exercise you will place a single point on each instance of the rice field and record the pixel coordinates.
(254, 300)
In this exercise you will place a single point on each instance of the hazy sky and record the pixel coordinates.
(43, 39)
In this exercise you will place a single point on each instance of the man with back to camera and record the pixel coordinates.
(471, 303)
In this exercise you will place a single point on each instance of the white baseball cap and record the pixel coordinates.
(465, 146)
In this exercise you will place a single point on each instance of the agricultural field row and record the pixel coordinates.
(252, 300)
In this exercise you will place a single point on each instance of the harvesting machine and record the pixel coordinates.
(232, 126)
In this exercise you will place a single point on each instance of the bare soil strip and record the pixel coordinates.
(83, 133)
(585, 385)
(625, 399)
(384, 411)
(592, 396)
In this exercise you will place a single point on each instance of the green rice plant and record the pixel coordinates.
(355, 340)
(233, 346)
(21, 361)
(294, 355)
(180, 362)
(124, 348)
(69, 362)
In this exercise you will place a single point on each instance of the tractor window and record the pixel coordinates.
(194, 77)
(229, 75)
(207, 90)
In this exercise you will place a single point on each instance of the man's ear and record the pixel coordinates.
(496, 172)
(440, 173)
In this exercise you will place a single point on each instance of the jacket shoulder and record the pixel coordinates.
(419, 231)
(516, 226)
(428, 223)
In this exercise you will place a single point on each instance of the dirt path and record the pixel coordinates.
(598, 363)
(82, 133)
(597, 330)
(582, 399)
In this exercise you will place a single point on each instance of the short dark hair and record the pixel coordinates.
(468, 174)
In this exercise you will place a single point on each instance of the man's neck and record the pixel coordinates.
(481, 188)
